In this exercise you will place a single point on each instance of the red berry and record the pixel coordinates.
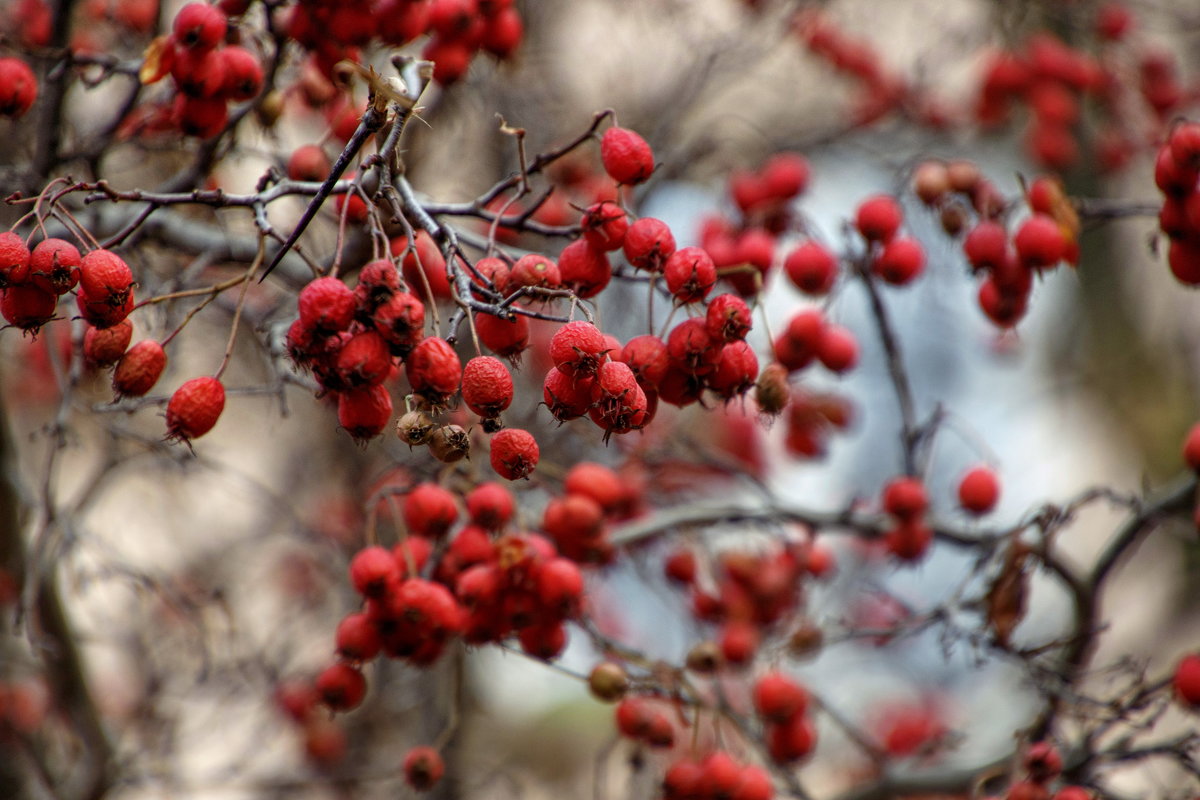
(400, 320)
(505, 338)
(690, 275)
(1191, 448)
(1039, 242)
(680, 566)
(791, 741)
(104, 347)
(900, 261)
(194, 408)
(203, 118)
(812, 268)
(739, 641)
(648, 244)
(785, 175)
(490, 505)
(429, 511)
(633, 716)
(27, 307)
(364, 413)
(357, 638)
(1187, 680)
(1113, 22)
(363, 360)
(14, 259)
(728, 318)
(837, 349)
(979, 490)
(139, 369)
(584, 268)
(797, 346)
(878, 218)
(578, 348)
(565, 396)
(514, 453)
(905, 498)
(909, 540)
(341, 687)
(647, 356)
(104, 274)
(1184, 143)
(373, 570)
(778, 698)
(18, 87)
(626, 156)
(736, 370)
(598, 482)
(434, 370)
(243, 74)
(534, 270)
(199, 26)
(986, 245)
(1043, 762)
(199, 74)
(753, 784)
(308, 162)
(487, 387)
(604, 226)
(423, 768)
(502, 33)
(54, 266)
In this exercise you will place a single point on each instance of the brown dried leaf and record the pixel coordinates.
(1008, 593)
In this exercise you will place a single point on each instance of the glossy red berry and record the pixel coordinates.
(18, 87)
(1039, 242)
(878, 218)
(837, 349)
(905, 498)
(199, 26)
(194, 408)
(979, 490)
(626, 156)
(811, 268)
(341, 687)
(779, 698)
(1187, 680)
(900, 261)
(514, 453)
(243, 74)
(364, 412)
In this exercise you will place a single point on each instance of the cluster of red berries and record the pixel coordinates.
(18, 87)
(1042, 765)
(594, 496)
(880, 92)
(905, 500)
(334, 31)
(753, 591)
(1053, 79)
(1041, 242)
(1177, 175)
(484, 585)
(31, 283)
(717, 776)
(743, 249)
(208, 73)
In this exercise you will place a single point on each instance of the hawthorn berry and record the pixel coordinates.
(648, 244)
(626, 156)
(506, 338)
(791, 741)
(341, 687)
(364, 412)
(905, 498)
(194, 408)
(199, 26)
(577, 349)
(811, 268)
(487, 386)
(900, 261)
(54, 266)
(308, 162)
(423, 768)
(514, 453)
(104, 274)
(434, 370)
(357, 638)
(14, 259)
(727, 318)
(18, 87)
(566, 397)
(778, 698)
(490, 505)
(139, 369)
(979, 490)
(27, 307)
(104, 347)
(690, 274)
(534, 270)
(908, 540)
(604, 227)
(837, 349)
(372, 571)
(243, 75)
(1186, 680)
(584, 268)
(878, 218)
(608, 682)
(429, 510)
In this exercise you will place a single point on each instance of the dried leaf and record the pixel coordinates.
(1007, 595)
(157, 60)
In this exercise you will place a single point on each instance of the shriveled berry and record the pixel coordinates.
(690, 274)
(514, 453)
(194, 408)
(608, 682)
(648, 244)
(578, 348)
(54, 266)
(449, 443)
(14, 259)
(104, 347)
(487, 386)
(626, 156)
(434, 370)
(139, 369)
